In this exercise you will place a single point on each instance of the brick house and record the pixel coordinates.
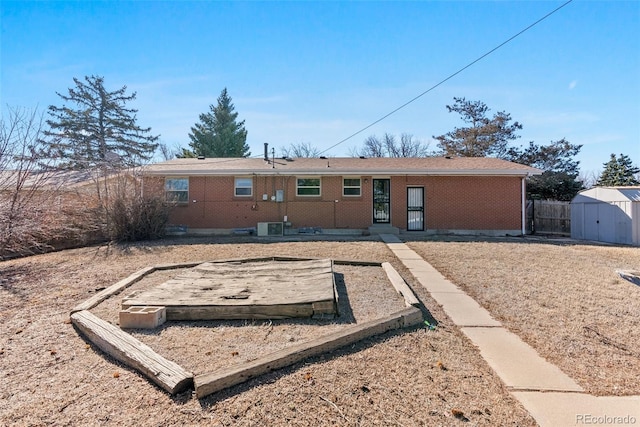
(432, 194)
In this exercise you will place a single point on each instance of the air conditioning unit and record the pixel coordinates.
(270, 229)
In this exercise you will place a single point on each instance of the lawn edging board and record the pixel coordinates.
(175, 379)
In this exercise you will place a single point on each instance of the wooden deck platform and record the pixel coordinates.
(245, 290)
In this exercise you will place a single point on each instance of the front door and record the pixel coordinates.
(415, 208)
(381, 201)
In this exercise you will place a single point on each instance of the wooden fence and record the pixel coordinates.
(549, 216)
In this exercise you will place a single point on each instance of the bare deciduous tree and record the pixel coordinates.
(302, 149)
(167, 152)
(30, 217)
(389, 146)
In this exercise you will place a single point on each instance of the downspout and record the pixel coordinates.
(524, 207)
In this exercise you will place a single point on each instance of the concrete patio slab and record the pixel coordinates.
(575, 409)
(516, 363)
(464, 310)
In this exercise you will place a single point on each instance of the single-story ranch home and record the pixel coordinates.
(344, 195)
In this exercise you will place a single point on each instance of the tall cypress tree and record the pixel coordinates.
(95, 128)
(219, 134)
(618, 171)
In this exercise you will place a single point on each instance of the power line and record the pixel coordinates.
(448, 78)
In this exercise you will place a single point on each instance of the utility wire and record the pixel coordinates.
(448, 78)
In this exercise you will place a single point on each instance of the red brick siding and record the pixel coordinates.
(462, 203)
(466, 203)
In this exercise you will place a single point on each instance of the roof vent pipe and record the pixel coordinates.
(266, 152)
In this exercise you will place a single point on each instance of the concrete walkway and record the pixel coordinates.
(551, 397)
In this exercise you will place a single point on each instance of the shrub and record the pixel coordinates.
(137, 218)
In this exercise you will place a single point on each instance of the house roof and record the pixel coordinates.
(341, 166)
(52, 180)
(608, 194)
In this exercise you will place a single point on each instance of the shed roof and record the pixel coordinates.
(342, 166)
(608, 194)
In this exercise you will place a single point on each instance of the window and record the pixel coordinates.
(244, 187)
(351, 187)
(177, 189)
(308, 186)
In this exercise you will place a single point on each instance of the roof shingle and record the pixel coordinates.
(342, 166)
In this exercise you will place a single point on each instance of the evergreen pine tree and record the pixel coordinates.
(96, 129)
(618, 171)
(559, 181)
(219, 134)
(483, 137)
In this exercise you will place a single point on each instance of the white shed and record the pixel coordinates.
(607, 214)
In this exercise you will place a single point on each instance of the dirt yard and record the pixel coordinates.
(588, 326)
(563, 299)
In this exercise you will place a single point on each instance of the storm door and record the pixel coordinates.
(415, 208)
(381, 201)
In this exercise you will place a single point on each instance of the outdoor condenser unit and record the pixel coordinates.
(270, 229)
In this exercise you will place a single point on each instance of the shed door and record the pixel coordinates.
(607, 216)
(600, 222)
(415, 208)
(591, 221)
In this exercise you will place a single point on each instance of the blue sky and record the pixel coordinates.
(317, 72)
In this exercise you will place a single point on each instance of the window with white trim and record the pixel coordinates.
(177, 189)
(243, 187)
(351, 187)
(308, 186)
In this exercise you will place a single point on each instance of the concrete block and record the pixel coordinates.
(412, 317)
(142, 317)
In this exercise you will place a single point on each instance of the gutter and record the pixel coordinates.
(341, 172)
(524, 206)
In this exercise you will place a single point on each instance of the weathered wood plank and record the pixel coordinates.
(211, 312)
(286, 258)
(207, 384)
(229, 295)
(400, 285)
(113, 289)
(324, 307)
(243, 284)
(356, 263)
(128, 350)
(174, 266)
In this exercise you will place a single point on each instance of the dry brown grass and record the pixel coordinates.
(418, 377)
(562, 298)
